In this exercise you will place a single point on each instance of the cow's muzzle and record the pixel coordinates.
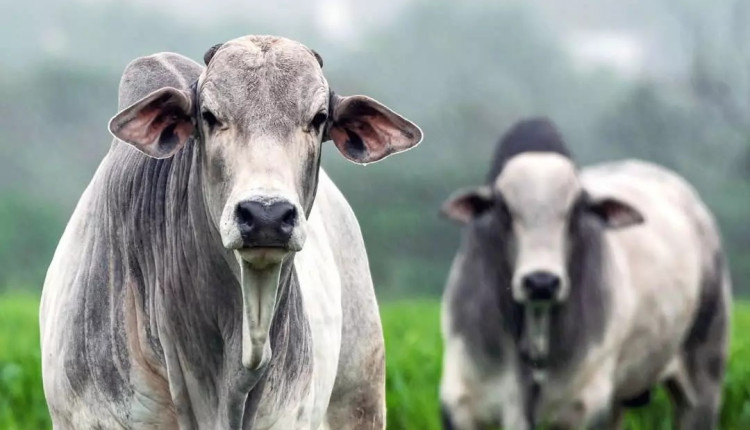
(266, 225)
(541, 287)
(263, 229)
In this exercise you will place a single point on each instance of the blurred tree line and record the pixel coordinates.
(463, 71)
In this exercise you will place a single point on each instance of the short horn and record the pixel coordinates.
(210, 53)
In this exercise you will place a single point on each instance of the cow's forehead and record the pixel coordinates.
(258, 60)
(251, 52)
(263, 73)
(534, 182)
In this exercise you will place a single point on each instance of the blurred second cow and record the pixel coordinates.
(576, 291)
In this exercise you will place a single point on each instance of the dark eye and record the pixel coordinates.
(210, 119)
(318, 120)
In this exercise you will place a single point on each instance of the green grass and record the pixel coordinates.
(413, 360)
(413, 348)
(22, 405)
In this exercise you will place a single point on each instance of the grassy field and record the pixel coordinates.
(413, 349)
(22, 404)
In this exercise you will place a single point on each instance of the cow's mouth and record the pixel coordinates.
(261, 257)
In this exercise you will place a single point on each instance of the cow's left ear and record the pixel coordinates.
(615, 213)
(366, 131)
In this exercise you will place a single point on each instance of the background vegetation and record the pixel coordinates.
(662, 80)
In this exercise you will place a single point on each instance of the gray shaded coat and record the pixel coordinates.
(643, 293)
(154, 315)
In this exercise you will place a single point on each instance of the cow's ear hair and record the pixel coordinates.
(157, 125)
(365, 131)
(465, 204)
(615, 213)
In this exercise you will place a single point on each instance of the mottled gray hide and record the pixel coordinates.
(575, 292)
(212, 275)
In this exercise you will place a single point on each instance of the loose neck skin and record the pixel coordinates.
(211, 318)
(259, 287)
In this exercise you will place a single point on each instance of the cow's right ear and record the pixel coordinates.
(157, 125)
(467, 203)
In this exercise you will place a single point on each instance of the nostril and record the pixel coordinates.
(289, 216)
(244, 213)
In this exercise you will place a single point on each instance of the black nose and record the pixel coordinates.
(541, 286)
(266, 224)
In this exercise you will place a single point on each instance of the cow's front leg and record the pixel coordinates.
(478, 396)
(464, 405)
(363, 409)
(358, 399)
(458, 404)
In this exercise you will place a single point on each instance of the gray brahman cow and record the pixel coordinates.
(575, 292)
(200, 283)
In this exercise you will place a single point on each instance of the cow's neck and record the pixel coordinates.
(190, 288)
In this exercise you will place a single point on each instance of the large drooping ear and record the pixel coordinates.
(157, 125)
(615, 213)
(467, 203)
(366, 131)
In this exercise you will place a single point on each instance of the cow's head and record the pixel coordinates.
(261, 110)
(537, 208)
(535, 218)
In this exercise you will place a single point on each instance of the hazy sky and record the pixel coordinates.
(340, 20)
(630, 37)
(597, 33)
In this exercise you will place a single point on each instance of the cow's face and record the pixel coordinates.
(261, 109)
(538, 208)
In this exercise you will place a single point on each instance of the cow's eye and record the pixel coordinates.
(318, 120)
(210, 119)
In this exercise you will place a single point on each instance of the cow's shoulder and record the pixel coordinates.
(331, 204)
